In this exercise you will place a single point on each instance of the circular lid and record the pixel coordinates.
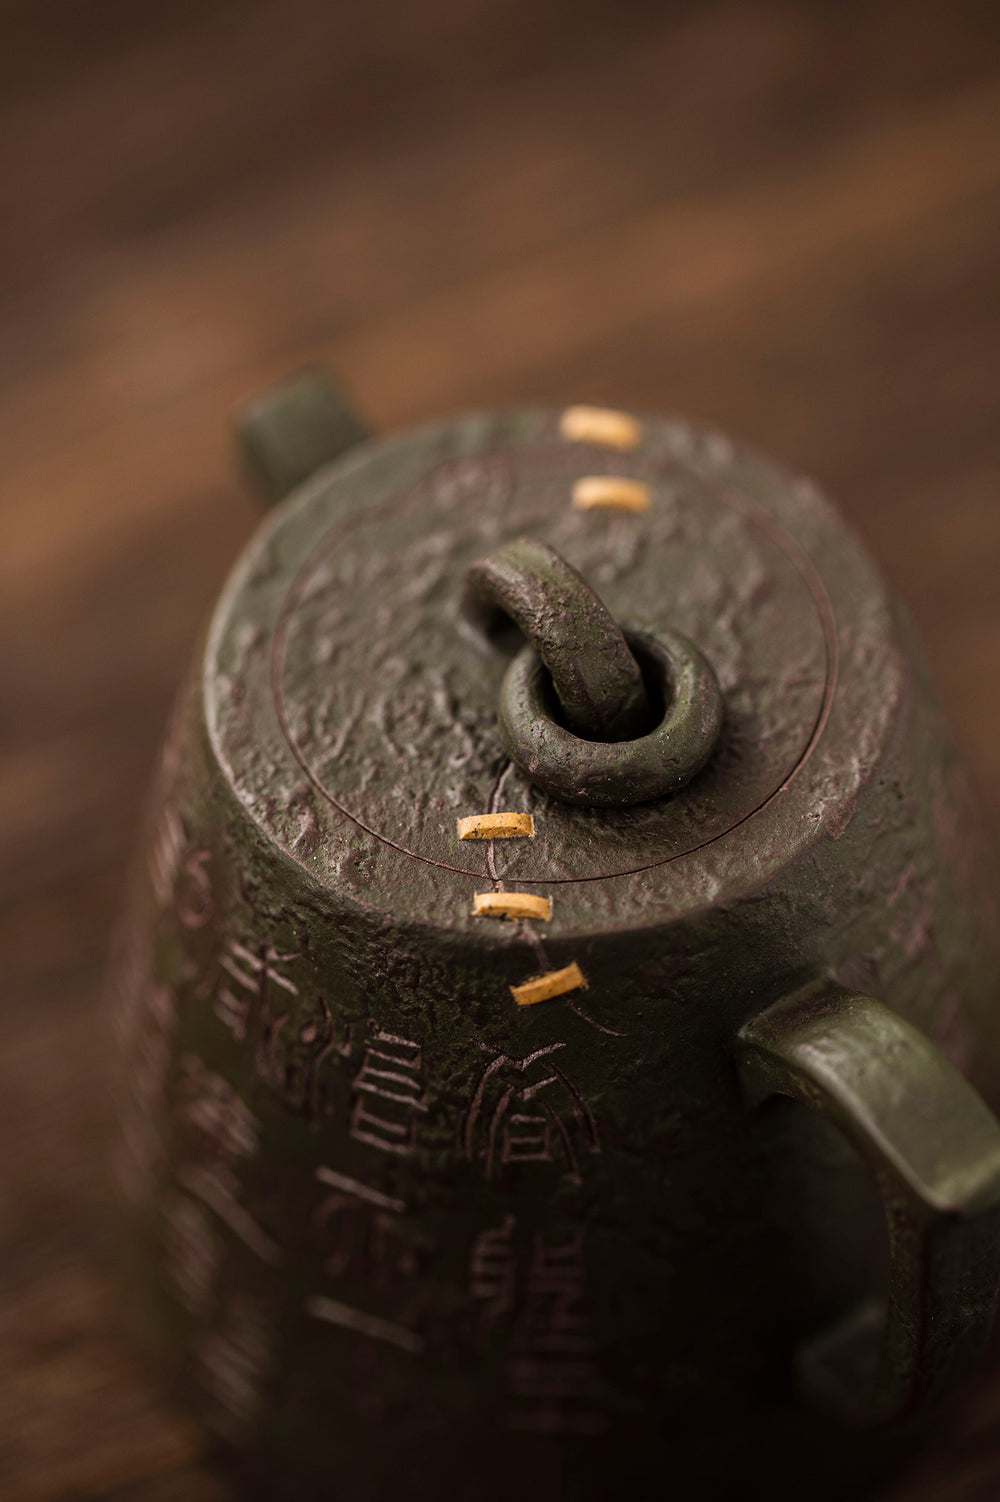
(354, 710)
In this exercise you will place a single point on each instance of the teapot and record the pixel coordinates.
(557, 1004)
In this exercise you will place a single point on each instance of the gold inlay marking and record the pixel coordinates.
(511, 905)
(616, 430)
(496, 827)
(611, 491)
(553, 983)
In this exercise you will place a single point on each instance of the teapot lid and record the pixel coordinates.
(353, 707)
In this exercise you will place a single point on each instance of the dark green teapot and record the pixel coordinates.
(466, 1048)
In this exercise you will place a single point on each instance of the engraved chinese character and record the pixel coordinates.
(307, 1048)
(251, 997)
(179, 875)
(192, 1255)
(526, 1110)
(363, 1231)
(389, 1095)
(166, 851)
(231, 1362)
(216, 1116)
(216, 1130)
(255, 998)
(552, 1376)
(365, 1242)
(492, 1275)
(144, 1022)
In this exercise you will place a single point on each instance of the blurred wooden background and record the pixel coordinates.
(781, 217)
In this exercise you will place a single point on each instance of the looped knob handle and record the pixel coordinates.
(597, 680)
(591, 713)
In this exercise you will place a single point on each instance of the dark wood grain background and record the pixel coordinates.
(781, 217)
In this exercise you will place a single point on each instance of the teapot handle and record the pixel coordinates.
(287, 432)
(933, 1147)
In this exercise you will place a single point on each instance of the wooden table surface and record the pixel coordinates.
(781, 217)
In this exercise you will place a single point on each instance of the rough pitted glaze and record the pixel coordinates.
(395, 1230)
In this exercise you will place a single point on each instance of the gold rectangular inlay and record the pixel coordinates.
(552, 983)
(496, 827)
(511, 905)
(617, 430)
(611, 491)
